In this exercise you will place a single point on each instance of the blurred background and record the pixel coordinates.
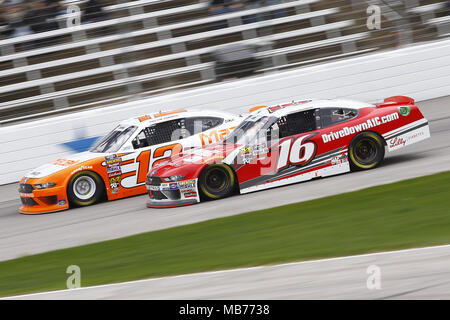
(61, 56)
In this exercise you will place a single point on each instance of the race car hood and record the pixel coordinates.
(217, 152)
(61, 164)
(196, 157)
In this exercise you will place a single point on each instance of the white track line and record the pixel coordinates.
(236, 270)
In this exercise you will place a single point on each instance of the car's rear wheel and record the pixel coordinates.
(85, 188)
(366, 151)
(217, 181)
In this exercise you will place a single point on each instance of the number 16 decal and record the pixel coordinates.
(298, 151)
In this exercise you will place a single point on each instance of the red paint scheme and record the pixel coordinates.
(310, 148)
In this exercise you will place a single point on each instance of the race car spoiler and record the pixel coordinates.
(396, 100)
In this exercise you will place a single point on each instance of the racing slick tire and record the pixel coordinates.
(366, 151)
(216, 181)
(85, 188)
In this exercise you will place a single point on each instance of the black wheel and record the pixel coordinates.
(85, 188)
(366, 151)
(216, 181)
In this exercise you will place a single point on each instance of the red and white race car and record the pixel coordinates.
(288, 143)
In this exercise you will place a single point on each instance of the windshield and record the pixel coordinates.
(114, 140)
(251, 127)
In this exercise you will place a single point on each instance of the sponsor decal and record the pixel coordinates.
(190, 195)
(370, 123)
(153, 172)
(114, 169)
(190, 192)
(65, 162)
(415, 135)
(173, 186)
(398, 142)
(115, 179)
(182, 185)
(114, 183)
(339, 159)
(260, 149)
(81, 169)
(153, 188)
(404, 111)
(114, 172)
(187, 184)
(113, 161)
(246, 150)
(248, 153)
(247, 158)
(62, 202)
(215, 135)
(26, 195)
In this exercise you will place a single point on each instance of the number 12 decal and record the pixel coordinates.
(159, 155)
(143, 161)
(298, 151)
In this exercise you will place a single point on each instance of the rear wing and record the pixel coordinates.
(396, 100)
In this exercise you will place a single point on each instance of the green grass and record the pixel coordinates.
(406, 214)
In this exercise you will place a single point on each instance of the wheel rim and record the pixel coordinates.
(366, 151)
(216, 180)
(84, 187)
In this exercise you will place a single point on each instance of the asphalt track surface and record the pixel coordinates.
(22, 235)
(422, 273)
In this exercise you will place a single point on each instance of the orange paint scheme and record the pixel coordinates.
(61, 178)
(96, 165)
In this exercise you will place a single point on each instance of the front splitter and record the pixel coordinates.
(170, 204)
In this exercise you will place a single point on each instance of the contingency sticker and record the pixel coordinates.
(114, 172)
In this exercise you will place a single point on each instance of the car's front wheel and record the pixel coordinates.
(217, 181)
(366, 151)
(85, 188)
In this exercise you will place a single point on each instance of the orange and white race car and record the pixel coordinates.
(117, 166)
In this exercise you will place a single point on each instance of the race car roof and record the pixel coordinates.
(162, 116)
(308, 104)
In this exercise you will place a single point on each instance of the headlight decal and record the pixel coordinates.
(174, 178)
(46, 185)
